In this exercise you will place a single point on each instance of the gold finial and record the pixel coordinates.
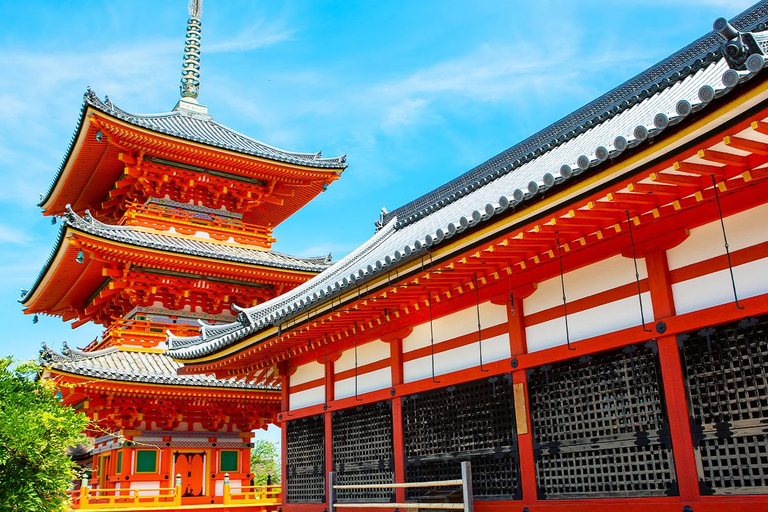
(190, 71)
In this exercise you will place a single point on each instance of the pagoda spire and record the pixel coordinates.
(190, 72)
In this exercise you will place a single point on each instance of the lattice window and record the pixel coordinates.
(474, 421)
(362, 451)
(600, 428)
(726, 373)
(305, 464)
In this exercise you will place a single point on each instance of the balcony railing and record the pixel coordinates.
(188, 223)
(142, 333)
(265, 497)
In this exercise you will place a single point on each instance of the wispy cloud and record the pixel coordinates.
(256, 35)
(10, 235)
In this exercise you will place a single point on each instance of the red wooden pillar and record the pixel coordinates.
(518, 345)
(330, 385)
(395, 340)
(284, 406)
(660, 287)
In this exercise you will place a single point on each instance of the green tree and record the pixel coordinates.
(35, 430)
(265, 461)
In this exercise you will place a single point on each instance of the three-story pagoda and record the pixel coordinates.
(167, 222)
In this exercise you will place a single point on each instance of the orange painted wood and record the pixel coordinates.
(398, 447)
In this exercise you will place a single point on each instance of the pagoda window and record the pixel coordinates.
(228, 460)
(119, 467)
(146, 461)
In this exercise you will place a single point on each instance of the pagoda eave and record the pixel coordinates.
(108, 150)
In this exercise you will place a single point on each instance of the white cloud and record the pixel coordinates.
(256, 35)
(9, 235)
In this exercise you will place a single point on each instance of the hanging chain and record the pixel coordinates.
(637, 272)
(725, 241)
(479, 329)
(565, 302)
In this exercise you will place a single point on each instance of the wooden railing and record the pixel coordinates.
(87, 498)
(143, 333)
(467, 503)
(266, 495)
(189, 223)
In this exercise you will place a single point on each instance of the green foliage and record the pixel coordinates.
(35, 430)
(265, 461)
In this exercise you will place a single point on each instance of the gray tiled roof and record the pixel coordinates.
(670, 92)
(132, 366)
(194, 127)
(178, 244)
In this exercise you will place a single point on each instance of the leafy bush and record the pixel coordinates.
(35, 431)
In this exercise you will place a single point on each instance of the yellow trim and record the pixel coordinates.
(657, 148)
(126, 348)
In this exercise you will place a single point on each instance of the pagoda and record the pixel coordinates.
(167, 222)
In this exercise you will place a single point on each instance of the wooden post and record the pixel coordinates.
(660, 285)
(517, 346)
(177, 490)
(466, 487)
(331, 491)
(330, 388)
(285, 406)
(227, 494)
(396, 365)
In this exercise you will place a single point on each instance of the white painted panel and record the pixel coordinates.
(713, 289)
(455, 325)
(219, 489)
(584, 282)
(371, 381)
(744, 229)
(603, 319)
(307, 372)
(460, 358)
(152, 484)
(148, 439)
(368, 353)
(307, 397)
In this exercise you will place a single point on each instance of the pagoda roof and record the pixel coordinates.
(191, 126)
(641, 111)
(178, 244)
(130, 365)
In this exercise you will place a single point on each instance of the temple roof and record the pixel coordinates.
(134, 366)
(192, 126)
(637, 113)
(175, 244)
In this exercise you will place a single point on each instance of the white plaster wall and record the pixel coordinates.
(584, 282)
(366, 354)
(744, 229)
(456, 324)
(306, 373)
(219, 487)
(152, 484)
(307, 397)
(371, 381)
(716, 288)
(468, 356)
(599, 320)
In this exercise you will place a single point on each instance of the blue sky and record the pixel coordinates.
(414, 92)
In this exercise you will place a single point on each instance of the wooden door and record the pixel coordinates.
(191, 467)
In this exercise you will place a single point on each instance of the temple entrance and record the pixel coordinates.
(191, 467)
